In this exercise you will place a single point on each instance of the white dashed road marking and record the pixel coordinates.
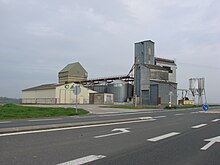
(199, 126)
(179, 114)
(163, 136)
(83, 160)
(194, 112)
(215, 120)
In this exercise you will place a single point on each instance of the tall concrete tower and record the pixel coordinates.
(144, 55)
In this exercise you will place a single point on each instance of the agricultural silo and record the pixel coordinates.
(144, 55)
(201, 86)
(120, 90)
(193, 85)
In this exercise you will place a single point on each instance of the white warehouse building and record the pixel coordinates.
(61, 93)
(55, 94)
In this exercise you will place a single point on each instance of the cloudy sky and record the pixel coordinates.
(39, 37)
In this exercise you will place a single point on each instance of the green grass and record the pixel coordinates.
(130, 107)
(13, 111)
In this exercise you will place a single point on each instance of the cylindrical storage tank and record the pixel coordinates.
(201, 85)
(193, 85)
(98, 88)
(119, 88)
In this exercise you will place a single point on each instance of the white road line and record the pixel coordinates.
(199, 126)
(211, 142)
(83, 160)
(4, 122)
(163, 136)
(69, 128)
(215, 120)
(157, 117)
(112, 134)
(207, 145)
(123, 114)
(146, 118)
(122, 131)
(194, 112)
(179, 114)
(35, 120)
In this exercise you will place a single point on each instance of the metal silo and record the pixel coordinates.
(193, 86)
(120, 90)
(201, 86)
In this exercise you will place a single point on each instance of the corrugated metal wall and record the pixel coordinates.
(154, 94)
(120, 90)
(164, 90)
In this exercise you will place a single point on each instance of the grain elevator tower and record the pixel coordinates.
(144, 55)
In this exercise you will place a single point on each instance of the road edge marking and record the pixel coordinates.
(157, 117)
(5, 122)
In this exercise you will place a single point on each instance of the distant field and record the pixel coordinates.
(13, 111)
(9, 100)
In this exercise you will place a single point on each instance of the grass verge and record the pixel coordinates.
(13, 111)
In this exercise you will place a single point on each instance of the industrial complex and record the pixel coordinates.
(151, 81)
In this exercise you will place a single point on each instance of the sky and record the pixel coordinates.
(38, 38)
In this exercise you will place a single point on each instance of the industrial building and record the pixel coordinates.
(55, 94)
(151, 81)
(154, 78)
(72, 73)
(101, 98)
(61, 93)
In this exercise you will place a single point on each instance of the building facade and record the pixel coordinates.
(154, 78)
(56, 94)
(73, 72)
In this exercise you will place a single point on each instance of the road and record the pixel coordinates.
(86, 118)
(156, 137)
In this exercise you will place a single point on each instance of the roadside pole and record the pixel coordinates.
(76, 91)
(170, 102)
(76, 100)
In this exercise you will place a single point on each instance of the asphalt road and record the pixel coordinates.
(167, 138)
(87, 118)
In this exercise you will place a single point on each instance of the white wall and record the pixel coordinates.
(65, 95)
(46, 96)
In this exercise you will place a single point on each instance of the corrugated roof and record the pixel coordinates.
(43, 87)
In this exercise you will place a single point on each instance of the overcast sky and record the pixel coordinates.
(39, 37)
